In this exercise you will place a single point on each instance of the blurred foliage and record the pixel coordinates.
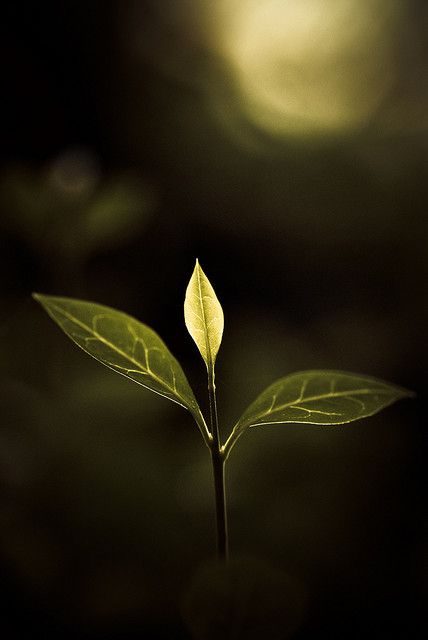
(66, 211)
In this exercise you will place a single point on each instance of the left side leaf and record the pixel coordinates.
(125, 345)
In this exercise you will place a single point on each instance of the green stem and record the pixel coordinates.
(220, 504)
(218, 461)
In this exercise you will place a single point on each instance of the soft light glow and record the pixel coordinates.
(307, 66)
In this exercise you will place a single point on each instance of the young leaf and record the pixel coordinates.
(203, 316)
(125, 345)
(318, 397)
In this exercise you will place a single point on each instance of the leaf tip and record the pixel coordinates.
(41, 298)
(407, 393)
(402, 393)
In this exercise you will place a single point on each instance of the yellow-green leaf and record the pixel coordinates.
(317, 397)
(203, 316)
(125, 345)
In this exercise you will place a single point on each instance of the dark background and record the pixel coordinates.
(127, 152)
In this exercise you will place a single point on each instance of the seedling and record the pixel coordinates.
(134, 350)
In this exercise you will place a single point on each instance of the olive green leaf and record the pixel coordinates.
(318, 397)
(203, 316)
(125, 345)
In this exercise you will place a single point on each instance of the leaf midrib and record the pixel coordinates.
(335, 394)
(204, 321)
(112, 346)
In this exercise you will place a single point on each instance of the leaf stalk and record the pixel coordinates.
(230, 443)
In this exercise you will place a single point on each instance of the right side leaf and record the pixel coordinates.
(320, 397)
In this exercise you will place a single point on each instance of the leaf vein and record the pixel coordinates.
(324, 396)
(113, 347)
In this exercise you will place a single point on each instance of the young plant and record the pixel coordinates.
(132, 349)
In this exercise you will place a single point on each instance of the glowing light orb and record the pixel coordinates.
(308, 66)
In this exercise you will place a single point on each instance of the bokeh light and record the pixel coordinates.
(309, 66)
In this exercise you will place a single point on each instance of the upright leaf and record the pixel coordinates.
(125, 345)
(203, 316)
(318, 397)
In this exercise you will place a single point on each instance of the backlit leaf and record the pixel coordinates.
(125, 345)
(320, 397)
(203, 316)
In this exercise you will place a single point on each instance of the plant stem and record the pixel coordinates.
(218, 461)
(220, 505)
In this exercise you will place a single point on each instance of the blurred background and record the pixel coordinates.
(284, 144)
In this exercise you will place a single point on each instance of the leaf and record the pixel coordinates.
(203, 315)
(125, 345)
(320, 397)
